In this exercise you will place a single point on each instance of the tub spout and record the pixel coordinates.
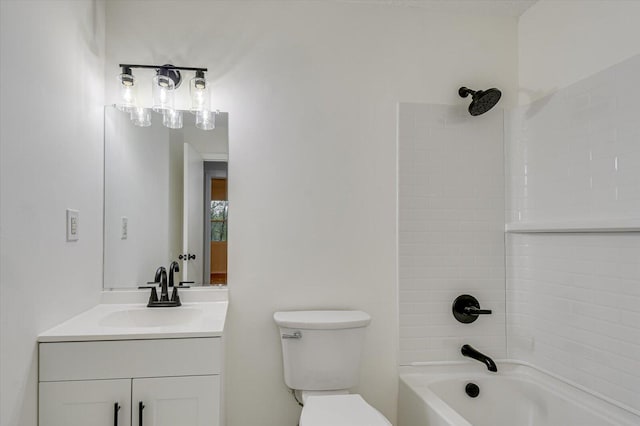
(470, 352)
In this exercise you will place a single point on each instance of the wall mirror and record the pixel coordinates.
(165, 199)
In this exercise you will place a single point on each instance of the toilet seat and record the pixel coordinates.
(340, 410)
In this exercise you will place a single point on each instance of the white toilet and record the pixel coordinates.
(321, 354)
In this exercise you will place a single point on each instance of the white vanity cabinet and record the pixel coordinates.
(88, 402)
(153, 382)
(172, 401)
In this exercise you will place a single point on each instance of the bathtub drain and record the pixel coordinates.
(472, 390)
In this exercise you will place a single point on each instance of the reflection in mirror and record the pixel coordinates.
(165, 199)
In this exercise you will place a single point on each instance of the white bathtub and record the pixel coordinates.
(518, 395)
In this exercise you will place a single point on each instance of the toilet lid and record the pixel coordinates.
(340, 410)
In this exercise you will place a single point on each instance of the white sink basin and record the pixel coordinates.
(136, 321)
(154, 317)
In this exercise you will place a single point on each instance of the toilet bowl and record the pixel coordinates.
(340, 410)
(321, 353)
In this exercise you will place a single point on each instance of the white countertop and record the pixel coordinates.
(134, 321)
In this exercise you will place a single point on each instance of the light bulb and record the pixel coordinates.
(205, 120)
(172, 118)
(199, 90)
(163, 93)
(127, 92)
(141, 117)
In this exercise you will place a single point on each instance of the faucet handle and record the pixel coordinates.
(153, 297)
(472, 310)
(466, 309)
(175, 297)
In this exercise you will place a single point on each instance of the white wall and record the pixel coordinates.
(207, 142)
(563, 41)
(51, 78)
(572, 299)
(451, 230)
(311, 89)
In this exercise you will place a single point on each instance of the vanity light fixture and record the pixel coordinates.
(127, 90)
(141, 117)
(163, 88)
(206, 120)
(172, 118)
(199, 90)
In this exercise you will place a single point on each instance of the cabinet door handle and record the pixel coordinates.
(140, 408)
(116, 408)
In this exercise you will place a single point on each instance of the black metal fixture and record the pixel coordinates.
(167, 80)
(168, 70)
(173, 268)
(126, 78)
(466, 309)
(471, 352)
(116, 408)
(171, 73)
(163, 301)
(482, 100)
(200, 82)
(141, 407)
(472, 390)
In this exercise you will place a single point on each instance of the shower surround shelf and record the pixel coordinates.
(577, 226)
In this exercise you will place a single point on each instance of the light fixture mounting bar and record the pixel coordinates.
(166, 67)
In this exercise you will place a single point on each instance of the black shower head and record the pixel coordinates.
(482, 101)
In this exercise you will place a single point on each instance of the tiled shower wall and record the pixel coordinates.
(576, 154)
(573, 300)
(451, 223)
(574, 308)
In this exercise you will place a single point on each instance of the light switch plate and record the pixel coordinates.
(73, 222)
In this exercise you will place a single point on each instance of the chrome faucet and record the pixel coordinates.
(469, 351)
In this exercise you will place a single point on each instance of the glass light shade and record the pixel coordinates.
(128, 90)
(172, 118)
(163, 93)
(199, 90)
(205, 120)
(141, 117)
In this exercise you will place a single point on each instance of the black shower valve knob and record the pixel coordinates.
(466, 309)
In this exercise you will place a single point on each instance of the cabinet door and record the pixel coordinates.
(87, 402)
(172, 401)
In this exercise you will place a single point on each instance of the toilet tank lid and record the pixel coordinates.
(322, 320)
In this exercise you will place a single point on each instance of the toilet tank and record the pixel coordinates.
(321, 350)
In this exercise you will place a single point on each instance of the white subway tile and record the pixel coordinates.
(451, 230)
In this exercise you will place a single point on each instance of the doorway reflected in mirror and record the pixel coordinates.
(217, 204)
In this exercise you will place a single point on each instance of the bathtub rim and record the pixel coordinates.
(438, 370)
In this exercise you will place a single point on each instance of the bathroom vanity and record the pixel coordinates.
(125, 364)
(122, 363)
